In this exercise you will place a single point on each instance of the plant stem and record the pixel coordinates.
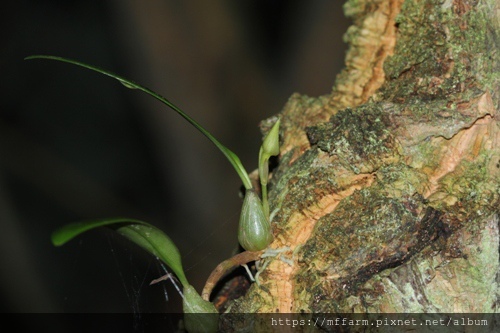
(225, 267)
(265, 203)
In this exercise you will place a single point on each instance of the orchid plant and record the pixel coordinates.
(254, 232)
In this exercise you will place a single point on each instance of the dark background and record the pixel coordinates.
(77, 145)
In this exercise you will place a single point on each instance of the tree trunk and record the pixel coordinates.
(386, 195)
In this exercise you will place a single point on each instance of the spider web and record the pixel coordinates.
(112, 276)
(135, 270)
(129, 270)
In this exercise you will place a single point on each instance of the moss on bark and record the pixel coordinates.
(386, 194)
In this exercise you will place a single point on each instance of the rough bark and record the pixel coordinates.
(386, 194)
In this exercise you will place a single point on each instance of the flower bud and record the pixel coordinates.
(254, 232)
(271, 144)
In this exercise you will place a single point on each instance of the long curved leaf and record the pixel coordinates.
(142, 233)
(232, 157)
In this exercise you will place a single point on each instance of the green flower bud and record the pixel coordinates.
(271, 144)
(254, 232)
(270, 147)
(200, 316)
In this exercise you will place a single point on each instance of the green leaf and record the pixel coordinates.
(232, 157)
(143, 234)
(200, 316)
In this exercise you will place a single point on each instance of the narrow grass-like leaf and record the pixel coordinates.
(232, 157)
(142, 233)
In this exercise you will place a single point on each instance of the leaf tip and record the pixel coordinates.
(55, 238)
(33, 56)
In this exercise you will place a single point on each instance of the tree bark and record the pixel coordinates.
(386, 195)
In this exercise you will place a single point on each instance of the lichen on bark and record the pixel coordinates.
(387, 191)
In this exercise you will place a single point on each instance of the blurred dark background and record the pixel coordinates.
(77, 145)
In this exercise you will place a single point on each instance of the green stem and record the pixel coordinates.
(263, 176)
(265, 203)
